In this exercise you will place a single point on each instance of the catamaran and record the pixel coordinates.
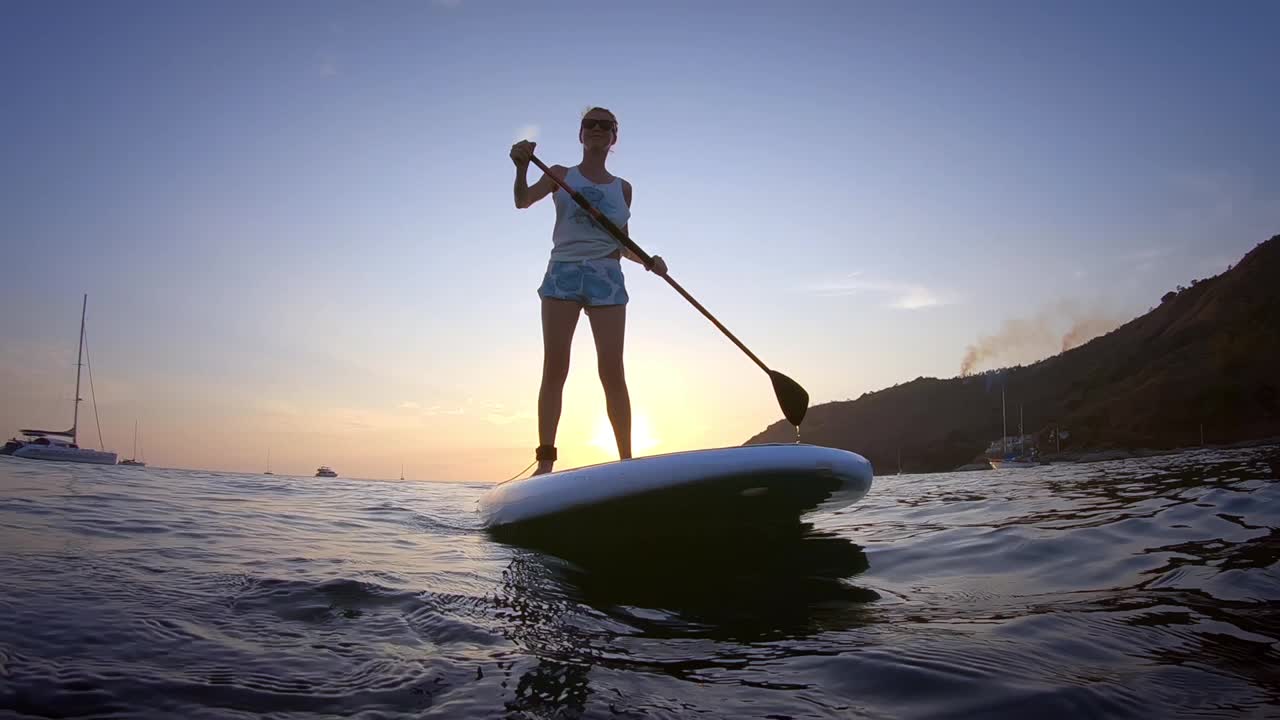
(60, 445)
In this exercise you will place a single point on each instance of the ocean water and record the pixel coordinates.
(1134, 589)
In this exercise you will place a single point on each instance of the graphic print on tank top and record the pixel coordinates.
(598, 200)
(577, 236)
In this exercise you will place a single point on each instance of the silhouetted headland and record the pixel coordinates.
(1199, 368)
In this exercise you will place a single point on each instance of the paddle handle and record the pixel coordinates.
(646, 259)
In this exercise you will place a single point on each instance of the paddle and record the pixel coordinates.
(791, 397)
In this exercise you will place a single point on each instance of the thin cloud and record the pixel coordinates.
(496, 418)
(897, 295)
(357, 419)
(447, 3)
(1146, 254)
(499, 415)
(416, 408)
(914, 298)
(278, 409)
(1145, 259)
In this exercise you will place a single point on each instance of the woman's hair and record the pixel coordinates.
(590, 110)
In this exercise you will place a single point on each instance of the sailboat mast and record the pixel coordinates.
(135, 440)
(75, 416)
(1004, 424)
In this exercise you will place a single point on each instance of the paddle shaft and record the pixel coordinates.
(645, 258)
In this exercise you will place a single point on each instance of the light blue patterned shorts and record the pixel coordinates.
(590, 283)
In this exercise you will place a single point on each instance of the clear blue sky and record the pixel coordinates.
(295, 226)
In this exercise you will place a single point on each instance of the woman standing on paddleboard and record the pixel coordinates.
(585, 272)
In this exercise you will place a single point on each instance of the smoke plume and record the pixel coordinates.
(1053, 329)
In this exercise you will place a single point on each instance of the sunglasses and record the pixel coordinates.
(590, 123)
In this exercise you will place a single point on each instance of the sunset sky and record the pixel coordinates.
(295, 226)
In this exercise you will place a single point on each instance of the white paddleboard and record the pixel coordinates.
(698, 491)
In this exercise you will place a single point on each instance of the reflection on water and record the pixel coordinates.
(575, 613)
(1133, 589)
(778, 584)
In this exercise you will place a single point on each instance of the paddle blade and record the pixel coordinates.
(793, 398)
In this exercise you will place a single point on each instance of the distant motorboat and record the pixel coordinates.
(325, 471)
(61, 444)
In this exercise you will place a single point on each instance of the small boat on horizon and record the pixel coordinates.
(133, 460)
(325, 471)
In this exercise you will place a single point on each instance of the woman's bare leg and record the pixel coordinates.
(608, 326)
(559, 319)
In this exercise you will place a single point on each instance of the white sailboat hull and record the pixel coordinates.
(998, 464)
(32, 451)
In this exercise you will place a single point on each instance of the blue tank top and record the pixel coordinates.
(576, 236)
